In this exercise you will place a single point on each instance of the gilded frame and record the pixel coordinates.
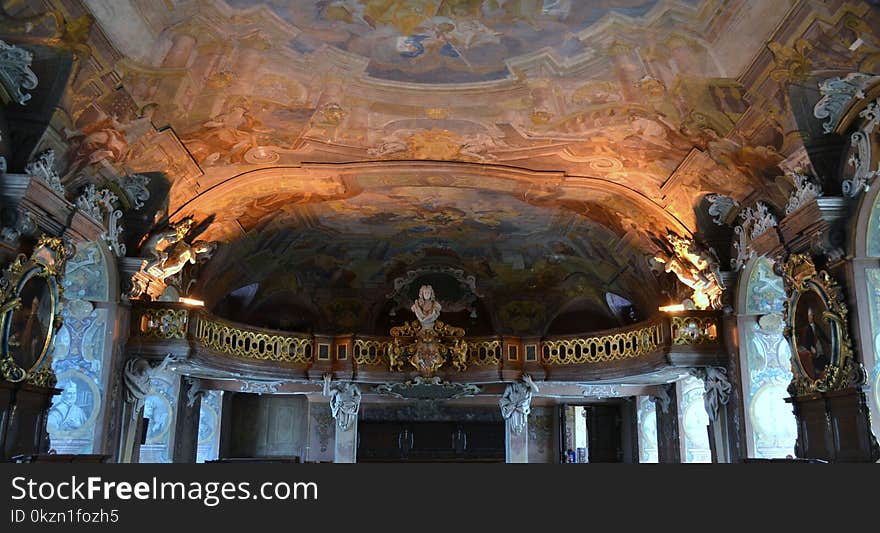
(816, 327)
(45, 265)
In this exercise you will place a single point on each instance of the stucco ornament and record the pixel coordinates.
(15, 72)
(837, 93)
(716, 389)
(516, 403)
(345, 402)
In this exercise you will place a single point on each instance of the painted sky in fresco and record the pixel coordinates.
(445, 41)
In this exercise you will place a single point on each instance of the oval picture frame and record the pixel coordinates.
(817, 330)
(29, 313)
(28, 327)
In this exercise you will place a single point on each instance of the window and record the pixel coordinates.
(771, 427)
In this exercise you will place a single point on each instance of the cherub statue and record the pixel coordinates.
(426, 307)
(459, 353)
(157, 242)
(178, 256)
(696, 268)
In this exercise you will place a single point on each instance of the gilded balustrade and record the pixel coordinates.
(602, 348)
(694, 330)
(485, 352)
(164, 322)
(370, 352)
(249, 344)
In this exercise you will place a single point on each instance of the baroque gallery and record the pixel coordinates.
(524, 231)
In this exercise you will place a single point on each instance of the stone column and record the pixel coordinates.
(515, 408)
(668, 442)
(345, 401)
(186, 423)
(716, 394)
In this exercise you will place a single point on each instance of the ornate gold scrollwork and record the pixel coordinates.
(427, 348)
(485, 353)
(604, 348)
(694, 330)
(370, 352)
(30, 292)
(227, 339)
(817, 328)
(164, 323)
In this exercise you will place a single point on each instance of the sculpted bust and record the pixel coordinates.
(426, 307)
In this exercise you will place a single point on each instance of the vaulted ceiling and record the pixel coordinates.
(544, 147)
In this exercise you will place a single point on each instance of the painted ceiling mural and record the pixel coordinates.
(443, 41)
(596, 128)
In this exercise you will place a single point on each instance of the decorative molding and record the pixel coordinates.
(716, 389)
(15, 72)
(43, 167)
(345, 402)
(804, 191)
(260, 387)
(720, 207)
(601, 391)
(516, 403)
(431, 389)
(837, 94)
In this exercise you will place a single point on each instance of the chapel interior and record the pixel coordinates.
(523, 231)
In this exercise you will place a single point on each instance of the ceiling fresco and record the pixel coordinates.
(546, 147)
(444, 41)
(528, 259)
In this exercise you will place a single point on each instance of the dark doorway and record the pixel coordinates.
(592, 433)
(430, 442)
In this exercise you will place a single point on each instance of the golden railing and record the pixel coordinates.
(370, 352)
(694, 330)
(602, 348)
(484, 352)
(251, 344)
(164, 322)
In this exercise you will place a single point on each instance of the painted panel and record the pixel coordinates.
(78, 362)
